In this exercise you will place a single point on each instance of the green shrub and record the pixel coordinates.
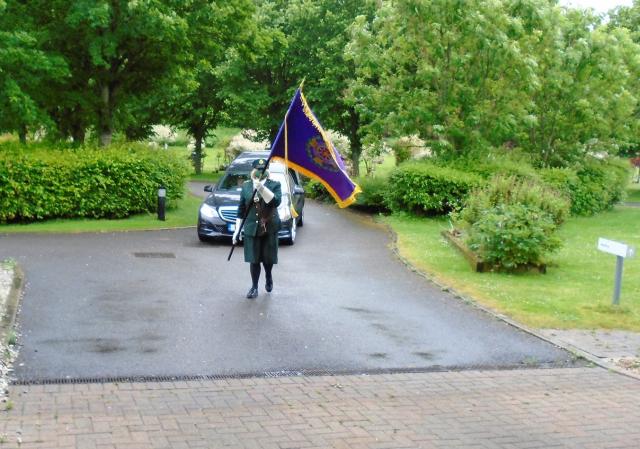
(511, 190)
(513, 235)
(374, 193)
(315, 190)
(492, 165)
(401, 150)
(592, 187)
(41, 182)
(566, 180)
(425, 188)
(511, 222)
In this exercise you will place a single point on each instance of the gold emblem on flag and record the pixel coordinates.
(320, 155)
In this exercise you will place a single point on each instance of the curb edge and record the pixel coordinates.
(471, 301)
(13, 301)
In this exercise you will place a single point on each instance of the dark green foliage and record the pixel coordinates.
(511, 222)
(374, 194)
(425, 188)
(315, 190)
(39, 183)
(593, 187)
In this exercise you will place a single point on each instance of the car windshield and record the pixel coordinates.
(233, 181)
(284, 185)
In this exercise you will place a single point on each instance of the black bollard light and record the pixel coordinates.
(162, 195)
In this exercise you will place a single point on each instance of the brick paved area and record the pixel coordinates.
(581, 408)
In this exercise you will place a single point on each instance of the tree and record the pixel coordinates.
(117, 51)
(448, 71)
(582, 100)
(301, 39)
(475, 75)
(25, 71)
(215, 28)
(629, 18)
(260, 88)
(321, 30)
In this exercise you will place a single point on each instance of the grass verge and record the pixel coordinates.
(185, 213)
(214, 151)
(633, 193)
(206, 177)
(576, 291)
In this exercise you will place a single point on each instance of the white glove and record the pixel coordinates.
(236, 233)
(266, 194)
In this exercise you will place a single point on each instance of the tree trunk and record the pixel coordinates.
(22, 134)
(197, 153)
(106, 119)
(356, 143)
(77, 133)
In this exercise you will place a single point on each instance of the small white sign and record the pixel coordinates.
(616, 248)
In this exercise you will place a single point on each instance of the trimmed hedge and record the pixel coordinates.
(37, 182)
(425, 188)
(374, 194)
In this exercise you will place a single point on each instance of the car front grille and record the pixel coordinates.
(228, 213)
(208, 228)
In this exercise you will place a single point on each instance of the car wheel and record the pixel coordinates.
(293, 231)
(301, 219)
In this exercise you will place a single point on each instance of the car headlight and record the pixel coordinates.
(208, 211)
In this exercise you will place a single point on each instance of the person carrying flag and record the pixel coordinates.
(302, 145)
(259, 201)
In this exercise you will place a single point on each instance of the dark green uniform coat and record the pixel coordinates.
(260, 248)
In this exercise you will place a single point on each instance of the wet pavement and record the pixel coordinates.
(163, 304)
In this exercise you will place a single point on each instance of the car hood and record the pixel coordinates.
(223, 198)
(226, 198)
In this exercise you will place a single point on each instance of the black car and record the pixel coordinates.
(217, 215)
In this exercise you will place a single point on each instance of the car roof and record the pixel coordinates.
(243, 162)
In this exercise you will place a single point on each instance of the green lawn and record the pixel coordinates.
(633, 192)
(214, 151)
(576, 291)
(184, 214)
(383, 169)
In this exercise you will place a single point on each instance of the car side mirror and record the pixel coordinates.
(208, 188)
(297, 190)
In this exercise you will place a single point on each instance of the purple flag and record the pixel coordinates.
(304, 145)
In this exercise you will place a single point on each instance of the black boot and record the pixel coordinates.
(254, 268)
(269, 279)
(269, 284)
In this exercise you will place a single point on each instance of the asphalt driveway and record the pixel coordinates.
(163, 304)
